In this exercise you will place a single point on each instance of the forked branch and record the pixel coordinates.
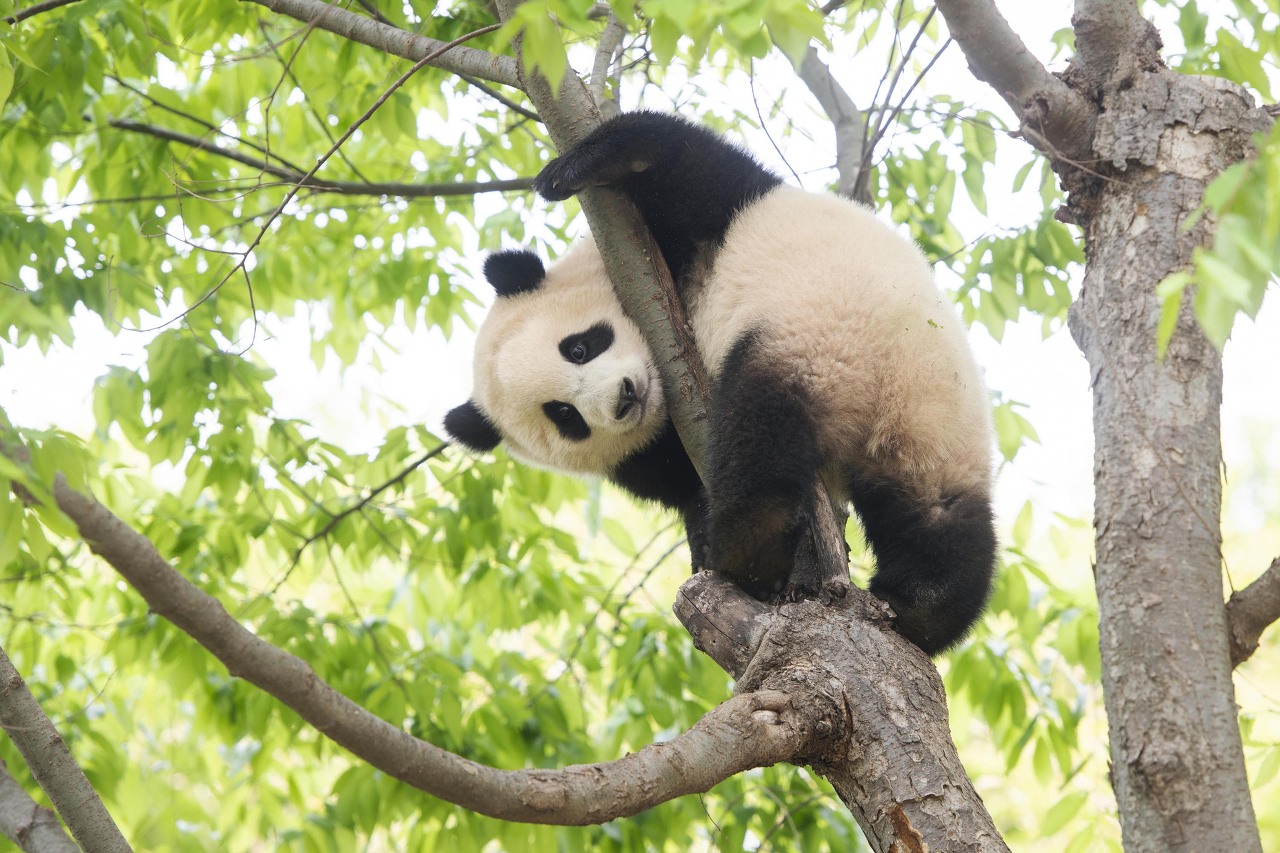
(1059, 119)
(323, 185)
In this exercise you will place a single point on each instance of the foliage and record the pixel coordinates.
(514, 617)
(1232, 276)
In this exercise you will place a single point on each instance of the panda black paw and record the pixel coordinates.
(558, 180)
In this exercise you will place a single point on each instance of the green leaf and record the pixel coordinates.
(1062, 813)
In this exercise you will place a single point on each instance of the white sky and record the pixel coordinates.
(39, 390)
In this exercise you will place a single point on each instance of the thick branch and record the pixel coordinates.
(398, 42)
(27, 824)
(850, 125)
(51, 763)
(1112, 34)
(877, 706)
(748, 731)
(376, 188)
(1060, 121)
(1251, 610)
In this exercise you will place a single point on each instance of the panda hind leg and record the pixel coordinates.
(763, 461)
(934, 562)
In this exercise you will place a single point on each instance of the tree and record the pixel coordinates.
(433, 614)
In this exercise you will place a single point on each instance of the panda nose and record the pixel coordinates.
(626, 399)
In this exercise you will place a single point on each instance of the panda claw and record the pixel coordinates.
(549, 183)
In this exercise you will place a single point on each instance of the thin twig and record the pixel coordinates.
(205, 124)
(337, 518)
(480, 85)
(36, 9)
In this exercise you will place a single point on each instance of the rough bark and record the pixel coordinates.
(32, 827)
(1251, 610)
(889, 752)
(1177, 764)
(30, 729)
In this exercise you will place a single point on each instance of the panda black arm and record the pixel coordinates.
(662, 472)
(686, 180)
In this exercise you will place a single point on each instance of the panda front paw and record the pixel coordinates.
(557, 181)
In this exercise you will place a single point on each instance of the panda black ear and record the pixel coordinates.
(468, 426)
(514, 271)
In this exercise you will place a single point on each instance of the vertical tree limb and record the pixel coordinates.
(850, 124)
(633, 260)
(1177, 763)
(53, 766)
(1059, 120)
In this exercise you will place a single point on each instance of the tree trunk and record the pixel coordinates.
(1177, 764)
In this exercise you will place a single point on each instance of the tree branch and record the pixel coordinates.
(1111, 34)
(850, 125)
(53, 766)
(747, 731)
(36, 9)
(27, 824)
(1055, 118)
(376, 188)
(610, 44)
(883, 723)
(501, 98)
(398, 42)
(1251, 610)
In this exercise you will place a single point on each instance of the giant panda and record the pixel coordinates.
(833, 355)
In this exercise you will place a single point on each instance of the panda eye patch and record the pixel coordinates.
(567, 419)
(584, 346)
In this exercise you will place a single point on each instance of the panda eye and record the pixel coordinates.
(587, 345)
(568, 422)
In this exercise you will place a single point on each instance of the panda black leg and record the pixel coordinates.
(933, 563)
(762, 463)
(688, 182)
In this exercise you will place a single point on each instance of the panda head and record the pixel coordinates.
(562, 376)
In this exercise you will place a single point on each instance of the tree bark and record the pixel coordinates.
(877, 704)
(1177, 764)
(32, 827)
(30, 729)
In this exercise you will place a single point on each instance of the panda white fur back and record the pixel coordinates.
(834, 355)
(879, 348)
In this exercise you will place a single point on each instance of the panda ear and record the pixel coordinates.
(468, 426)
(514, 271)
